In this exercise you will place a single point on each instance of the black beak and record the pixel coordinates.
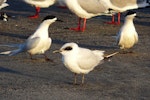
(59, 20)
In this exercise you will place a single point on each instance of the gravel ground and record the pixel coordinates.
(123, 77)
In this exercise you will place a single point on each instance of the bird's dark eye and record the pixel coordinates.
(68, 48)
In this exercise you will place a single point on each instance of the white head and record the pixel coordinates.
(68, 48)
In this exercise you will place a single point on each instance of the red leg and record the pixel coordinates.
(78, 28)
(119, 18)
(84, 25)
(79, 25)
(36, 14)
(113, 20)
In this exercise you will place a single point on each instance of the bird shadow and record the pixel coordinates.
(11, 71)
(14, 35)
(2, 69)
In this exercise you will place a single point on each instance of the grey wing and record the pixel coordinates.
(92, 6)
(32, 43)
(118, 37)
(87, 59)
(121, 4)
(125, 3)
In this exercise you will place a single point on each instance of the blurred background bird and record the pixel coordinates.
(86, 9)
(3, 4)
(127, 35)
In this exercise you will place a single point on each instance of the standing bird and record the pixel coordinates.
(86, 9)
(80, 60)
(38, 42)
(39, 4)
(119, 6)
(127, 36)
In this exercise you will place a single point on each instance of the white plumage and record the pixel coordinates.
(80, 60)
(127, 36)
(90, 8)
(37, 43)
(40, 3)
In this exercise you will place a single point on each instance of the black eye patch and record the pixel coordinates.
(68, 48)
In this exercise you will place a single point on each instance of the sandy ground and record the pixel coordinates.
(123, 77)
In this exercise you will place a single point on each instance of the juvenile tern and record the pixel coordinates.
(38, 42)
(89, 8)
(80, 60)
(127, 36)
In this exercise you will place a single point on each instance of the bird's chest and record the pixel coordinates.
(128, 32)
(128, 37)
(41, 47)
(71, 64)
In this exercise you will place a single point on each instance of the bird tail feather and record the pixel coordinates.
(110, 55)
(10, 45)
(11, 53)
(5, 52)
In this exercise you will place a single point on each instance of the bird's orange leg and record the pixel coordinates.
(113, 20)
(79, 25)
(36, 14)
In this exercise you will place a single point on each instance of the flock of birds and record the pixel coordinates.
(77, 59)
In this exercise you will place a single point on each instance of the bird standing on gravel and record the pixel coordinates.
(80, 60)
(86, 9)
(127, 36)
(37, 43)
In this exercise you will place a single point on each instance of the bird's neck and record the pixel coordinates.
(43, 29)
(129, 21)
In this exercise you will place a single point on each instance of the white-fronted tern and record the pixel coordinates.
(38, 42)
(127, 35)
